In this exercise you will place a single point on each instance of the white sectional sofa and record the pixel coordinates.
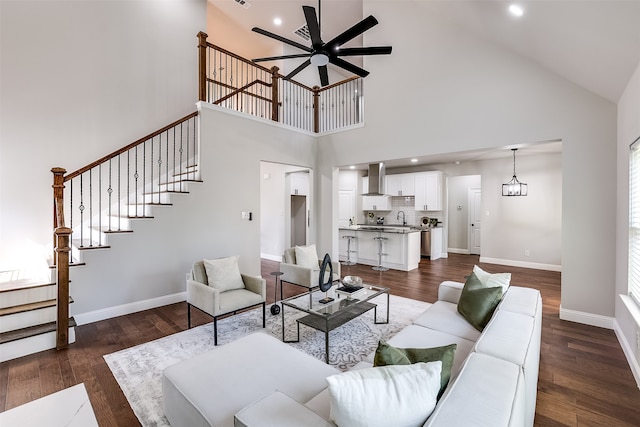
(259, 381)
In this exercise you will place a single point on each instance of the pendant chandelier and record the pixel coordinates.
(514, 187)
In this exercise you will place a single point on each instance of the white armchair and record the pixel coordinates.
(303, 271)
(224, 290)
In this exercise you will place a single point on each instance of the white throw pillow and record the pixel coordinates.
(223, 273)
(307, 256)
(493, 280)
(373, 397)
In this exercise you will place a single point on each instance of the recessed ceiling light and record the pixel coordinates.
(516, 10)
(352, 167)
(277, 21)
(414, 160)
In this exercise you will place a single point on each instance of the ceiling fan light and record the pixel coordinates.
(319, 59)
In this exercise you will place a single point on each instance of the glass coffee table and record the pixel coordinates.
(329, 316)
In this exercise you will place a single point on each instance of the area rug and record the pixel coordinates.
(138, 369)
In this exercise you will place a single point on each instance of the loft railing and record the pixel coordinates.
(100, 198)
(233, 82)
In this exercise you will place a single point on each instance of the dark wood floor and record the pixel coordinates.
(584, 377)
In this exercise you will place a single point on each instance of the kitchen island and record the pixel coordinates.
(401, 249)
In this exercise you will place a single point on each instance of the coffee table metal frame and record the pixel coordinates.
(327, 317)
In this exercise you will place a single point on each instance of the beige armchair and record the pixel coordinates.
(217, 288)
(304, 272)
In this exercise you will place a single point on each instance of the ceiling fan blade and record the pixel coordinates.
(349, 67)
(275, 58)
(353, 51)
(302, 66)
(324, 75)
(281, 39)
(352, 32)
(312, 24)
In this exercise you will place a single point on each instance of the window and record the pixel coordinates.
(634, 221)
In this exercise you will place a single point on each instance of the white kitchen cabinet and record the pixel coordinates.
(376, 203)
(402, 249)
(436, 243)
(393, 248)
(367, 248)
(299, 184)
(402, 184)
(428, 186)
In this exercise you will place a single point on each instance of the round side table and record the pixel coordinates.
(275, 308)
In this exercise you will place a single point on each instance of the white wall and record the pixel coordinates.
(627, 314)
(474, 95)
(78, 81)
(152, 261)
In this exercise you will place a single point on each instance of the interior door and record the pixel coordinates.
(475, 215)
(346, 206)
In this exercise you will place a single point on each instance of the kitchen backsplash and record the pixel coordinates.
(405, 204)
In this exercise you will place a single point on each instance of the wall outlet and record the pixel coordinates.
(526, 252)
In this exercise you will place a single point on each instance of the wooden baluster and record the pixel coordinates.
(62, 280)
(202, 66)
(58, 204)
(274, 94)
(316, 109)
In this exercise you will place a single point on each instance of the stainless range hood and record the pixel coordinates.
(376, 180)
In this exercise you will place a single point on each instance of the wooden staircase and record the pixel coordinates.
(30, 316)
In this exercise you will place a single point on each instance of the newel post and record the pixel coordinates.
(62, 280)
(202, 66)
(316, 109)
(274, 94)
(58, 204)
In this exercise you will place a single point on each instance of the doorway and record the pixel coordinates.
(475, 217)
(298, 220)
(283, 187)
(464, 207)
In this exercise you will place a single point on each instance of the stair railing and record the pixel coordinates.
(101, 197)
(236, 83)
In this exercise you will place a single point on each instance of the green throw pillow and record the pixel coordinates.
(477, 303)
(389, 355)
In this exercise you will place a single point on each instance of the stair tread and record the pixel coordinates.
(31, 331)
(112, 231)
(29, 307)
(153, 193)
(82, 246)
(182, 180)
(17, 285)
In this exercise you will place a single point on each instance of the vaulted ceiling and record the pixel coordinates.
(593, 43)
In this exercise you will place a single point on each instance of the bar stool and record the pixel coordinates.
(349, 251)
(379, 267)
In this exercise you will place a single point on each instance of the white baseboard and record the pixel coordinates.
(459, 251)
(524, 264)
(586, 318)
(271, 257)
(121, 310)
(628, 352)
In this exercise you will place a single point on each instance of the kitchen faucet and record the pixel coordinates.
(404, 220)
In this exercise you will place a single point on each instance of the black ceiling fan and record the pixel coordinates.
(320, 53)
